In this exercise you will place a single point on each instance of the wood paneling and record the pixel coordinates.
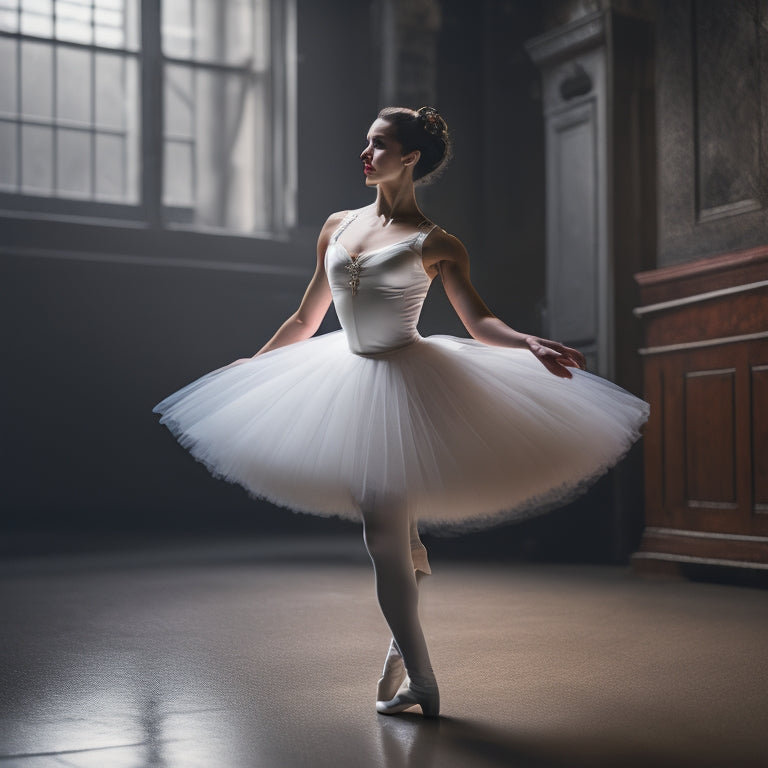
(686, 546)
(759, 418)
(679, 281)
(713, 318)
(706, 444)
(710, 442)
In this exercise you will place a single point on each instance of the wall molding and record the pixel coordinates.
(697, 297)
(179, 262)
(703, 343)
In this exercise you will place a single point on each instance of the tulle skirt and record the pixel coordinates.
(463, 434)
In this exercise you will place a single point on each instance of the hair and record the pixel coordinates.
(423, 129)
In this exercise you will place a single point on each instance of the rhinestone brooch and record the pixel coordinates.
(354, 270)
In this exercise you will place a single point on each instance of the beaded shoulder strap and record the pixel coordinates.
(425, 228)
(345, 222)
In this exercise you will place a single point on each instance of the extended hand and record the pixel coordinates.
(556, 358)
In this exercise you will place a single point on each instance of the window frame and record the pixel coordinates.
(149, 210)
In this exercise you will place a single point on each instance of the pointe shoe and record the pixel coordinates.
(392, 675)
(427, 698)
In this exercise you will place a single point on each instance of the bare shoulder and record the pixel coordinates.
(442, 246)
(332, 223)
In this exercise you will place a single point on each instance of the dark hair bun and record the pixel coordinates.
(425, 130)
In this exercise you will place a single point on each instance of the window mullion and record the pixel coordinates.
(55, 133)
(151, 112)
(276, 53)
(19, 113)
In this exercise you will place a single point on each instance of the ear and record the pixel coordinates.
(411, 158)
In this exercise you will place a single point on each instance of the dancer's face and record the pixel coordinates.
(383, 158)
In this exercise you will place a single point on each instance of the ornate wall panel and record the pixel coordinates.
(729, 112)
(712, 85)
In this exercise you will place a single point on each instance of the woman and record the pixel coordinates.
(377, 423)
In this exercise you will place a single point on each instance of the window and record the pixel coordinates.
(68, 99)
(176, 112)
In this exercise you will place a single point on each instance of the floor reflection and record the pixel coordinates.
(409, 740)
(151, 718)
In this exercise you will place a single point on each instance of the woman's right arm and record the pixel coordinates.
(305, 321)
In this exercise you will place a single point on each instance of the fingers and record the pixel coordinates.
(578, 358)
(574, 362)
(567, 355)
(558, 370)
(542, 350)
(554, 362)
(575, 358)
(556, 367)
(555, 357)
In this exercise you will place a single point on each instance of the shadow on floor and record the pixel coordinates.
(410, 741)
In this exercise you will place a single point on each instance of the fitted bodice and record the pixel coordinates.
(378, 295)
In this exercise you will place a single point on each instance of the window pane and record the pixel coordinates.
(74, 163)
(37, 17)
(131, 24)
(73, 83)
(70, 117)
(132, 124)
(9, 17)
(177, 23)
(178, 174)
(109, 23)
(36, 94)
(8, 90)
(8, 154)
(111, 90)
(224, 31)
(233, 32)
(230, 162)
(36, 159)
(110, 168)
(179, 101)
(73, 20)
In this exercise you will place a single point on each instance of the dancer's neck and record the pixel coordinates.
(396, 203)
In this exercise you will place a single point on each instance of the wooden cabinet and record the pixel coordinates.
(705, 361)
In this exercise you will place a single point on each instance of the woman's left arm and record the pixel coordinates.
(448, 256)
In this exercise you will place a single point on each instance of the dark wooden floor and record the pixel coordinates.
(266, 653)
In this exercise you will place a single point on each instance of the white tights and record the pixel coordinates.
(389, 538)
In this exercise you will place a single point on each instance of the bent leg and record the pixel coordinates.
(418, 552)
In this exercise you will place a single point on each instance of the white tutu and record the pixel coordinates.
(461, 433)
(464, 434)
